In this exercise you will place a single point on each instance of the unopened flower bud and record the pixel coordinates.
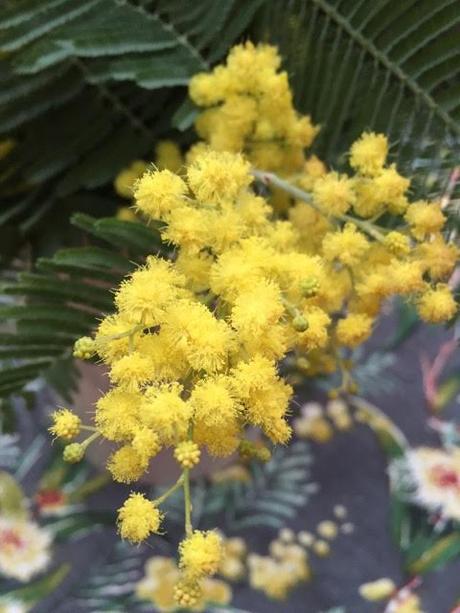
(84, 348)
(309, 287)
(300, 323)
(73, 453)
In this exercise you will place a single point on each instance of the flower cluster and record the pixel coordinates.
(162, 576)
(249, 107)
(193, 348)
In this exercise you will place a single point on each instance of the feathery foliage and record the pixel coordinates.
(87, 86)
(385, 65)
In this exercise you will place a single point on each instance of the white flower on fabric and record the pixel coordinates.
(24, 548)
(436, 475)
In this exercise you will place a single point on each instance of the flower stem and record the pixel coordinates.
(187, 502)
(169, 491)
(269, 178)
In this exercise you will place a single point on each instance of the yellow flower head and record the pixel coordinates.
(164, 411)
(316, 335)
(437, 305)
(126, 179)
(216, 178)
(117, 414)
(158, 192)
(368, 153)
(390, 185)
(132, 371)
(213, 402)
(144, 296)
(354, 329)
(405, 277)
(204, 340)
(258, 308)
(126, 464)
(168, 156)
(145, 443)
(66, 425)
(397, 243)
(138, 518)
(347, 246)
(200, 554)
(424, 218)
(334, 193)
(438, 257)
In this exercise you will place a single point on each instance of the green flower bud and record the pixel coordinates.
(300, 323)
(73, 453)
(309, 287)
(84, 348)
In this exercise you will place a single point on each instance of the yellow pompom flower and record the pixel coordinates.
(138, 518)
(354, 329)
(126, 179)
(204, 340)
(200, 554)
(390, 185)
(66, 425)
(146, 443)
(405, 277)
(257, 308)
(144, 295)
(397, 243)
(347, 246)
(164, 411)
(368, 153)
(437, 257)
(316, 334)
(196, 267)
(187, 453)
(217, 177)
(126, 464)
(117, 414)
(168, 156)
(158, 192)
(334, 193)
(437, 305)
(132, 371)
(424, 218)
(213, 402)
(187, 228)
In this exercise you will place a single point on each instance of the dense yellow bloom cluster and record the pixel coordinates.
(249, 108)
(192, 350)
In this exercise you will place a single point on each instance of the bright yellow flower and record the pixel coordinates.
(424, 218)
(334, 193)
(158, 192)
(66, 425)
(200, 554)
(368, 153)
(138, 518)
(354, 329)
(437, 305)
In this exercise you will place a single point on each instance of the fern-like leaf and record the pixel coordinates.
(88, 85)
(385, 65)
